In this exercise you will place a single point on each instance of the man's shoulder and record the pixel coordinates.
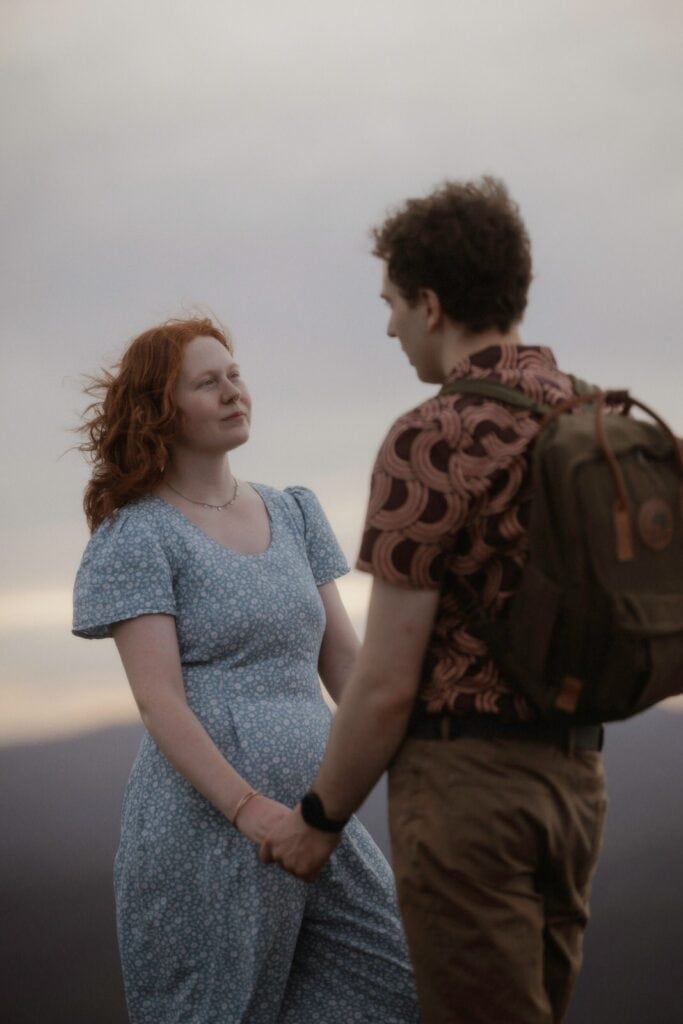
(449, 421)
(529, 369)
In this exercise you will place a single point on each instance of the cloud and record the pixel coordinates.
(159, 156)
(23, 719)
(35, 610)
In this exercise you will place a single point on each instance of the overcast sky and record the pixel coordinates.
(159, 157)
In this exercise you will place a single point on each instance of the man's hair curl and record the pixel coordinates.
(466, 241)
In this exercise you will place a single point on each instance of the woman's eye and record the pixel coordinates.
(205, 383)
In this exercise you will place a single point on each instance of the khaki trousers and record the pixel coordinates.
(495, 842)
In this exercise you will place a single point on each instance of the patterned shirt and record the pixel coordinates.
(450, 496)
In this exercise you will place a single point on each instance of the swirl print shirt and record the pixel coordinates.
(449, 495)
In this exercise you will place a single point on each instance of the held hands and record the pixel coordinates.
(285, 838)
(296, 847)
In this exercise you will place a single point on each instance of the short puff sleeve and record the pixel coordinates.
(124, 573)
(324, 554)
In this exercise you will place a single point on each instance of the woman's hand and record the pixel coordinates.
(259, 816)
(299, 849)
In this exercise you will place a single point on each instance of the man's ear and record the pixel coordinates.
(433, 308)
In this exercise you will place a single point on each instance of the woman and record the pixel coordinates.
(221, 599)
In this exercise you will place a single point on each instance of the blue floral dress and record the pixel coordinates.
(208, 935)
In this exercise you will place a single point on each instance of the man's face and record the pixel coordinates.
(408, 323)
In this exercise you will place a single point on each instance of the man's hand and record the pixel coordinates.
(298, 848)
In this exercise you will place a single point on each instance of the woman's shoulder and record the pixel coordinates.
(136, 522)
(142, 513)
(296, 499)
(308, 522)
(127, 570)
(286, 493)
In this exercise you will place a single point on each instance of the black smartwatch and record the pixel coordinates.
(313, 813)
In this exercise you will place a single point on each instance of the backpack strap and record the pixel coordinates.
(494, 389)
(582, 387)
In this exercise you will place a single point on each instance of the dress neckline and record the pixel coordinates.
(212, 540)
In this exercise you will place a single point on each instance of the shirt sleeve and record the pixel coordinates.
(124, 573)
(322, 548)
(419, 500)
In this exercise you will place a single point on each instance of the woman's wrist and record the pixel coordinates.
(242, 802)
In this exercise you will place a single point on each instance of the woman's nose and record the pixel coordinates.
(230, 391)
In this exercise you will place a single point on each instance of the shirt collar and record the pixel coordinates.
(509, 363)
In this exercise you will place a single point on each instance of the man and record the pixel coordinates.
(495, 817)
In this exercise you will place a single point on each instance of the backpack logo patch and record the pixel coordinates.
(656, 524)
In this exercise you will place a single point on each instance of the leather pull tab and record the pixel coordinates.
(568, 696)
(623, 534)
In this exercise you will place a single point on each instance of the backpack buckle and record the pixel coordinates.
(585, 737)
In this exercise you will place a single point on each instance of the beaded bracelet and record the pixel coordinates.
(240, 804)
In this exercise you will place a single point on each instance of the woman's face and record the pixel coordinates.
(212, 397)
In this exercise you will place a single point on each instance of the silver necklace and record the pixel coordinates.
(206, 504)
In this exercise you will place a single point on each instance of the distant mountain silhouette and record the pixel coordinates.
(60, 805)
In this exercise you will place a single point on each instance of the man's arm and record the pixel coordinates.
(371, 719)
(369, 725)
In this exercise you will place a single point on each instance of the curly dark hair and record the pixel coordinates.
(133, 419)
(467, 242)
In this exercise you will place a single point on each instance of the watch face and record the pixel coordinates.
(312, 810)
(313, 813)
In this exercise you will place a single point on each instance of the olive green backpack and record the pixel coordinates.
(594, 631)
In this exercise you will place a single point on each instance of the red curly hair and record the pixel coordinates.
(134, 418)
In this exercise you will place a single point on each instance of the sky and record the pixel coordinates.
(160, 158)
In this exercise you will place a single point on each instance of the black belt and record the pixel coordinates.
(448, 726)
